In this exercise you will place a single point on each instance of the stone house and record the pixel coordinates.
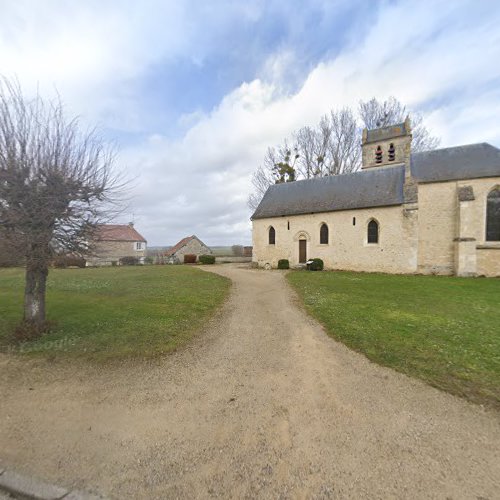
(188, 245)
(113, 242)
(433, 212)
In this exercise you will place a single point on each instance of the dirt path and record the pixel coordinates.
(261, 405)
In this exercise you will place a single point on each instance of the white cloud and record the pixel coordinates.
(420, 52)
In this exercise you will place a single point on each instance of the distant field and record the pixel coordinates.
(444, 330)
(222, 251)
(115, 312)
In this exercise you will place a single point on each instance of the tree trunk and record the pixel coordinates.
(34, 296)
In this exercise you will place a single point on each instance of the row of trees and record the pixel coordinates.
(333, 146)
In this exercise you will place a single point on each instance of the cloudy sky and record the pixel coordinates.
(193, 92)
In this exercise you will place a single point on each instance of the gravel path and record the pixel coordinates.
(262, 404)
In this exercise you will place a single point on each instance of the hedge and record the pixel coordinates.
(283, 264)
(316, 265)
(207, 259)
(129, 261)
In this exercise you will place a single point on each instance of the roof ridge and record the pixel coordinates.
(483, 143)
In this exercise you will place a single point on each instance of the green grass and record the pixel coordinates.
(108, 313)
(444, 330)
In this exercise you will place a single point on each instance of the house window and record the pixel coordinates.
(493, 215)
(323, 234)
(288, 225)
(378, 155)
(392, 152)
(139, 245)
(354, 221)
(272, 236)
(373, 231)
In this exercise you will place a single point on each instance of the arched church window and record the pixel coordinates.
(392, 152)
(323, 234)
(272, 236)
(493, 215)
(378, 155)
(373, 231)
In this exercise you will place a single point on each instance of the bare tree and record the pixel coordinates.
(334, 146)
(344, 152)
(375, 114)
(331, 148)
(277, 167)
(56, 184)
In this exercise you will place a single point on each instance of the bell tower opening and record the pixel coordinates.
(387, 145)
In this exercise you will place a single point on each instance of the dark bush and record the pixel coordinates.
(64, 261)
(283, 264)
(129, 261)
(148, 260)
(189, 258)
(316, 265)
(207, 259)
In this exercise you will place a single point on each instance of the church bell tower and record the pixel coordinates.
(386, 146)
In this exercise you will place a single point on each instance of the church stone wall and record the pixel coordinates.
(347, 249)
(473, 227)
(437, 214)
(452, 229)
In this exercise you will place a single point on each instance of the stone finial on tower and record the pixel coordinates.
(408, 124)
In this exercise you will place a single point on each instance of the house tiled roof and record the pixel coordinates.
(378, 187)
(118, 232)
(179, 245)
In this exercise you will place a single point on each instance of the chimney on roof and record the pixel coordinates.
(131, 224)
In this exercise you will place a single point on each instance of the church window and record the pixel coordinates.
(272, 236)
(354, 221)
(378, 155)
(392, 152)
(323, 234)
(493, 215)
(373, 231)
(288, 225)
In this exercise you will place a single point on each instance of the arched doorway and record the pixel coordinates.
(302, 251)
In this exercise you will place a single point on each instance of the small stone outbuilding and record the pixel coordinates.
(188, 245)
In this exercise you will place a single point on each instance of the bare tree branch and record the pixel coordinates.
(333, 147)
(375, 114)
(56, 185)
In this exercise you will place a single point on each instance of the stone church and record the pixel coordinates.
(432, 212)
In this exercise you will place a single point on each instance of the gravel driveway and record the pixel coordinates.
(262, 404)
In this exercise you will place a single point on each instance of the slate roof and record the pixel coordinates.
(378, 186)
(118, 232)
(461, 162)
(373, 188)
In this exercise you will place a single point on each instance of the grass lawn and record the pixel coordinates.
(112, 312)
(444, 330)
